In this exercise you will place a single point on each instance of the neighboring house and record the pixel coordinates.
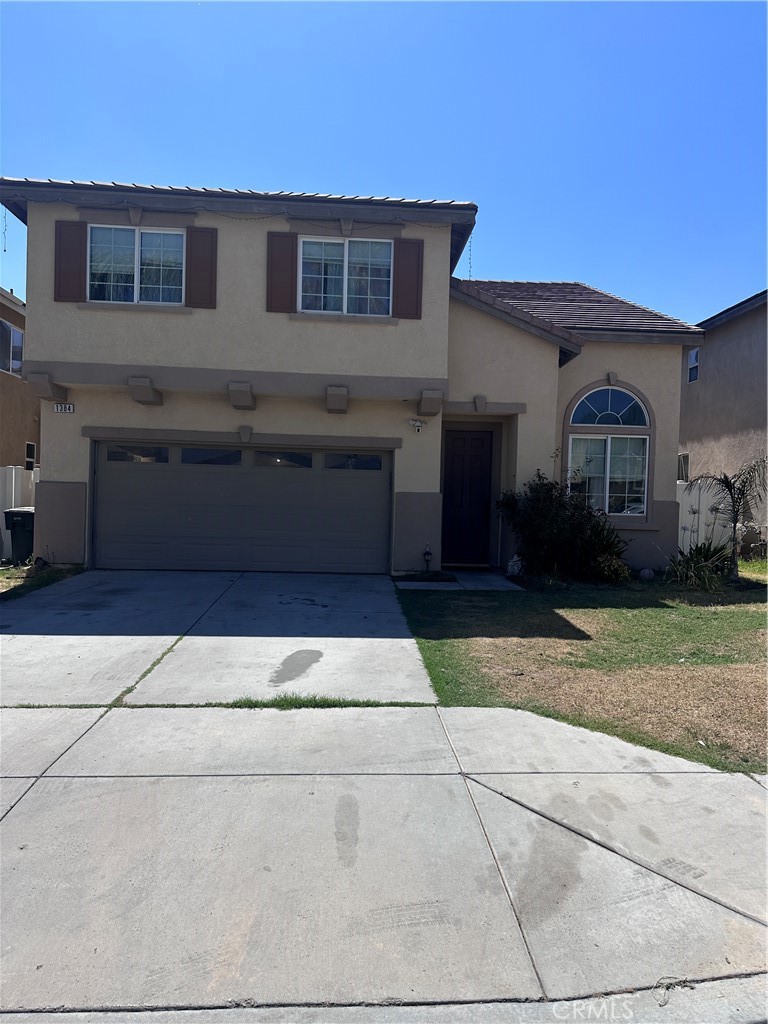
(259, 380)
(723, 391)
(19, 407)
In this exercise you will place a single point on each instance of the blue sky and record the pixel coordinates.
(620, 144)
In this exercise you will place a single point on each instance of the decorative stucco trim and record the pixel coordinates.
(265, 383)
(41, 386)
(490, 408)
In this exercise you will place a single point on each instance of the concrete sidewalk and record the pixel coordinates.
(215, 861)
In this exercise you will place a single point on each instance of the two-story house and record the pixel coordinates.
(281, 381)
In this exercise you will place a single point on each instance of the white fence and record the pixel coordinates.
(697, 523)
(17, 490)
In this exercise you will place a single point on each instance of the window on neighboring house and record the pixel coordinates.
(683, 460)
(11, 348)
(346, 276)
(134, 265)
(693, 365)
(608, 456)
(30, 455)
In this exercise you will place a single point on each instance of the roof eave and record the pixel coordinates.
(681, 336)
(732, 312)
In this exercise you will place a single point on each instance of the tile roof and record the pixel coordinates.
(574, 306)
(241, 193)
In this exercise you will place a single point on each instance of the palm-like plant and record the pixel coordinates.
(733, 498)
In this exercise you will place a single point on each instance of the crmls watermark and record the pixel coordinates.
(600, 1010)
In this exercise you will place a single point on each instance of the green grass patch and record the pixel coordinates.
(290, 702)
(754, 569)
(677, 633)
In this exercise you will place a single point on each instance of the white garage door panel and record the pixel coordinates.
(252, 517)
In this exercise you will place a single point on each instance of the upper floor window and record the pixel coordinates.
(11, 348)
(693, 365)
(346, 276)
(134, 265)
(608, 452)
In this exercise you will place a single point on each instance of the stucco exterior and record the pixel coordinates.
(459, 364)
(239, 335)
(723, 412)
(19, 408)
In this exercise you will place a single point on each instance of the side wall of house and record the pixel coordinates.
(723, 413)
(19, 409)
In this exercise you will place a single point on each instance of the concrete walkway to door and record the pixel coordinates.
(201, 637)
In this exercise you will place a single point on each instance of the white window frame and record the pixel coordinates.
(27, 459)
(19, 330)
(607, 438)
(136, 267)
(693, 365)
(346, 241)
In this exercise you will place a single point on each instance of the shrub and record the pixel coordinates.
(702, 567)
(559, 534)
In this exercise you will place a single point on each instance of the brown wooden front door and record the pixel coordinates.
(467, 497)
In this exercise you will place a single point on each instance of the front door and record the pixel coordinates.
(467, 497)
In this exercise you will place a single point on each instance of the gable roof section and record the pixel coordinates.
(470, 293)
(15, 193)
(585, 312)
(745, 306)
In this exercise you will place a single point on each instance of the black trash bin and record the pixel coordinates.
(20, 523)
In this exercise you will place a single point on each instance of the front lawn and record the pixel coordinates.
(671, 669)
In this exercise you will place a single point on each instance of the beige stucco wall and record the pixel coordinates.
(239, 333)
(723, 413)
(487, 356)
(650, 369)
(653, 371)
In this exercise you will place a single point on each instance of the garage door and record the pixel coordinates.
(161, 506)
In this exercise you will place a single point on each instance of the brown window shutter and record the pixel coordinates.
(282, 259)
(407, 278)
(200, 268)
(71, 255)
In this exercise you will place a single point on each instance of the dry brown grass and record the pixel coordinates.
(714, 705)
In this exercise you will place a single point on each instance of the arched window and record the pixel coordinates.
(608, 451)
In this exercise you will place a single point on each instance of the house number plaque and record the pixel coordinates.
(63, 406)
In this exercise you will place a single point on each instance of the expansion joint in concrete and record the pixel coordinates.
(638, 862)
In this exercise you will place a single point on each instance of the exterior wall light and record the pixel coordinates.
(427, 557)
(417, 425)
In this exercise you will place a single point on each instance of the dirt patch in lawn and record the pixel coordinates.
(722, 707)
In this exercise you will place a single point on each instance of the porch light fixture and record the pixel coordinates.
(417, 425)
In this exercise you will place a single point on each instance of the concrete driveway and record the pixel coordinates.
(200, 637)
(399, 865)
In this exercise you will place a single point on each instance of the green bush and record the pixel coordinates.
(702, 567)
(558, 534)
